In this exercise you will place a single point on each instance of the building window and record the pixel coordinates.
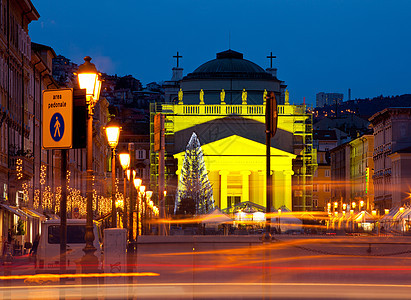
(233, 200)
(326, 188)
(327, 173)
(141, 154)
(315, 188)
(315, 203)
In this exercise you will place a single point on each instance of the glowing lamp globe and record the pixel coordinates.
(137, 183)
(113, 133)
(124, 160)
(87, 75)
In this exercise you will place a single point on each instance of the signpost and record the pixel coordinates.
(57, 119)
(57, 132)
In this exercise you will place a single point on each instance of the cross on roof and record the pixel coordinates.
(271, 59)
(177, 56)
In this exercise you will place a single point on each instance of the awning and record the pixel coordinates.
(34, 214)
(16, 211)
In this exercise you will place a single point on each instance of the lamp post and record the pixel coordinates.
(279, 220)
(88, 79)
(125, 164)
(148, 203)
(137, 184)
(113, 133)
(140, 211)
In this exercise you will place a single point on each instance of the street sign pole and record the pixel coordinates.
(58, 134)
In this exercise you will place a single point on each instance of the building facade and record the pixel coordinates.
(361, 170)
(323, 99)
(392, 129)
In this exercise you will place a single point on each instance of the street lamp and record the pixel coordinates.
(88, 79)
(279, 220)
(125, 164)
(140, 210)
(113, 133)
(137, 184)
(148, 203)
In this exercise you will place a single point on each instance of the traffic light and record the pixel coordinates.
(271, 114)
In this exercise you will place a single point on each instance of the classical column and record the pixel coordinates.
(262, 187)
(278, 189)
(223, 190)
(245, 186)
(288, 189)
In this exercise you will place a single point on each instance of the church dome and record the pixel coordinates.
(229, 64)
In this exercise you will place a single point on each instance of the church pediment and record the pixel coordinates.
(239, 146)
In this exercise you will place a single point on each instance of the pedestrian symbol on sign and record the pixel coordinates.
(56, 127)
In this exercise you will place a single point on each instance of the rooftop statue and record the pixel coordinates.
(201, 96)
(180, 97)
(244, 97)
(222, 96)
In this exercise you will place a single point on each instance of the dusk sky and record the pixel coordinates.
(323, 45)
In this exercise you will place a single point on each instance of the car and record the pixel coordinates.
(48, 250)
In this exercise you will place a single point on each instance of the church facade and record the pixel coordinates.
(223, 102)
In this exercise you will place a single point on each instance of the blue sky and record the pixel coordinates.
(321, 45)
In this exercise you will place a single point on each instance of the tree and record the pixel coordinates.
(194, 192)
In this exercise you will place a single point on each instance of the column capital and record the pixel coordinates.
(245, 172)
(223, 172)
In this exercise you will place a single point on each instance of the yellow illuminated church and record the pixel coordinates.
(223, 102)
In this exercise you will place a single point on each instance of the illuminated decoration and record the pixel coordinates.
(68, 177)
(335, 204)
(353, 205)
(19, 168)
(193, 185)
(58, 199)
(386, 211)
(36, 199)
(43, 169)
(25, 187)
(48, 199)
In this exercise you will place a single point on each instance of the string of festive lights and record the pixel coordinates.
(43, 174)
(19, 168)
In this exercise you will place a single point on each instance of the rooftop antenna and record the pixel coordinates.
(229, 40)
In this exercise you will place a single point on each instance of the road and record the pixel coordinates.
(243, 268)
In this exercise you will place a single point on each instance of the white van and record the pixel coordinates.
(48, 251)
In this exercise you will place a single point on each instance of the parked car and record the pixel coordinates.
(48, 250)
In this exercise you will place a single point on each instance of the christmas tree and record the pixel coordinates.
(194, 192)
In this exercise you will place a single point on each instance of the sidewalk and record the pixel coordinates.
(20, 265)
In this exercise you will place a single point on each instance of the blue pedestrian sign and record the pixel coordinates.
(56, 127)
(57, 119)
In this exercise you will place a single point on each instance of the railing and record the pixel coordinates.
(223, 109)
